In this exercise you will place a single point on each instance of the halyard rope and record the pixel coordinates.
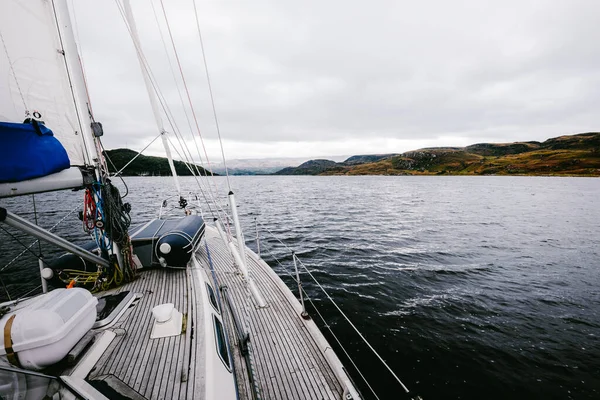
(212, 100)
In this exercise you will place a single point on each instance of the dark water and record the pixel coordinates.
(469, 287)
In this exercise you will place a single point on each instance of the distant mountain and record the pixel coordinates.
(264, 166)
(145, 165)
(563, 155)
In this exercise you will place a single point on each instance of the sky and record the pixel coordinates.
(323, 78)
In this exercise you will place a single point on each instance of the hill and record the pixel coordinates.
(146, 165)
(363, 159)
(312, 167)
(563, 155)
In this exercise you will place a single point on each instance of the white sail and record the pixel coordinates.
(40, 72)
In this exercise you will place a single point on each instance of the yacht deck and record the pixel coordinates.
(290, 360)
(153, 368)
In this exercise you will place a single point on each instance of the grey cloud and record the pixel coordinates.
(315, 71)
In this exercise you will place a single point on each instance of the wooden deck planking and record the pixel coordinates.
(306, 369)
(263, 370)
(196, 373)
(285, 387)
(288, 362)
(225, 267)
(150, 367)
(287, 359)
(302, 366)
(164, 357)
(317, 367)
(274, 333)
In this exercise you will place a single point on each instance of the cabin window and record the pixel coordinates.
(221, 343)
(212, 297)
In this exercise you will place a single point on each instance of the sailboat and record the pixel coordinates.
(176, 307)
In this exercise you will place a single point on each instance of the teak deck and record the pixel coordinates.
(288, 362)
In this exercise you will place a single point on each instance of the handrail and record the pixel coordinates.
(242, 335)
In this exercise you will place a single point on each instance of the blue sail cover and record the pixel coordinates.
(28, 152)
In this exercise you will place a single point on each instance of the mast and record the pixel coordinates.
(150, 89)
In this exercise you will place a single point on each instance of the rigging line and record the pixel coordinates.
(343, 315)
(18, 241)
(37, 240)
(36, 222)
(179, 94)
(212, 100)
(187, 90)
(31, 291)
(186, 160)
(355, 328)
(160, 96)
(113, 165)
(200, 186)
(151, 78)
(341, 345)
(182, 143)
(136, 156)
(146, 67)
(14, 74)
(193, 174)
(170, 118)
(181, 140)
(5, 289)
(324, 322)
(162, 39)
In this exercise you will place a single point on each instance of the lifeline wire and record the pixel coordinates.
(343, 314)
(324, 321)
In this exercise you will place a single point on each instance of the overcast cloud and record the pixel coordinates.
(316, 78)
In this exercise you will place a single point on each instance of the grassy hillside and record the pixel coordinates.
(312, 167)
(146, 165)
(563, 155)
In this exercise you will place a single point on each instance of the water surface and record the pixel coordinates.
(469, 287)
